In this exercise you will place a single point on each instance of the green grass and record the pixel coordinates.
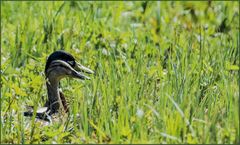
(166, 72)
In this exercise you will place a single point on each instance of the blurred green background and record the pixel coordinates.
(166, 72)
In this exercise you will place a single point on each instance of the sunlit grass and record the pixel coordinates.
(165, 72)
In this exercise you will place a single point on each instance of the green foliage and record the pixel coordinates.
(166, 72)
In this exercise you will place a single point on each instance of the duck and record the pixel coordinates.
(60, 64)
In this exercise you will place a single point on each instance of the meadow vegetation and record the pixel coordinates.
(165, 72)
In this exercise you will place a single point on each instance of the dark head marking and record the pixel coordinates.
(60, 55)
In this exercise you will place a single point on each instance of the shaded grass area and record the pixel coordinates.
(166, 72)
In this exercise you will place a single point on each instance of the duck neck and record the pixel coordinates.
(53, 102)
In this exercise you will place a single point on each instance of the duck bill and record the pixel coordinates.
(81, 68)
(78, 71)
(79, 75)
